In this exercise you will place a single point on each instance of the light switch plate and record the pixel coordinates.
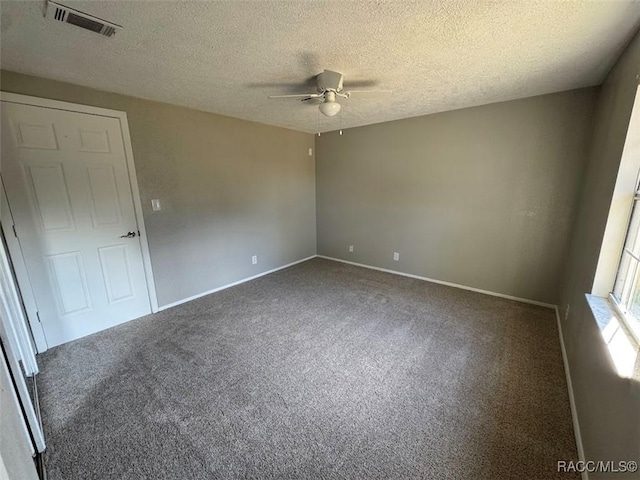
(155, 205)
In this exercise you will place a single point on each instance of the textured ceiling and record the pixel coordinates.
(227, 57)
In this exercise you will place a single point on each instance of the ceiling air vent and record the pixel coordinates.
(64, 14)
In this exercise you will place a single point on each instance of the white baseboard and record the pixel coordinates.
(209, 292)
(440, 282)
(572, 401)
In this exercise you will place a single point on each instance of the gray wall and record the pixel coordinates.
(608, 406)
(483, 197)
(230, 188)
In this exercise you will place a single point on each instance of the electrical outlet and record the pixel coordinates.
(254, 260)
(566, 311)
(351, 248)
(396, 256)
(311, 152)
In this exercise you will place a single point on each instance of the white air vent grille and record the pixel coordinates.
(64, 14)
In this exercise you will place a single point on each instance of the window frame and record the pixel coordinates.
(628, 321)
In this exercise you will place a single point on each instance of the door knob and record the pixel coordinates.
(128, 235)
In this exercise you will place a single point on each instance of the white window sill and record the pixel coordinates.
(621, 344)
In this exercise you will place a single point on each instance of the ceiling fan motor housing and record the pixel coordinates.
(329, 80)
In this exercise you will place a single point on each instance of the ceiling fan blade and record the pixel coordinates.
(274, 85)
(308, 95)
(349, 92)
(360, 83)
(307, 83)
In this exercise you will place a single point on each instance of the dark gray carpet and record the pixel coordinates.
(320, 371)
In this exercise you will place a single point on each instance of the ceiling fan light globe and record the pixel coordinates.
(329, 109)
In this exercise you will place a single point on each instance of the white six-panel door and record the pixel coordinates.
(66, 178)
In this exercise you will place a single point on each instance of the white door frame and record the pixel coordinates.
(14, 252)
(29, 419)
(12, 321)
(133, 180)
(20, 354)
(18, 349)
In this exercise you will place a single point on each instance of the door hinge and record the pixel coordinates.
(38, 315)
(14, 231)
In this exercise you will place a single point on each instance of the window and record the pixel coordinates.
(626, 290)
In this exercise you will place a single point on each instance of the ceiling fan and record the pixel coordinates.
(329, 86)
